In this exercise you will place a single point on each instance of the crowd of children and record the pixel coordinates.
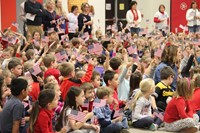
(99, 83)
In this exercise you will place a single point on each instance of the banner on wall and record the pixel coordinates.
(77, 3)
(178, 14)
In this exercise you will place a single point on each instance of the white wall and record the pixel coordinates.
(149, 8)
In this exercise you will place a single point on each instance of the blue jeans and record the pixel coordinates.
(115, 127)
(135, 30)
(194, 28)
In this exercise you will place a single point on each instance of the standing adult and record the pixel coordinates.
(73, 21)
(84, 20)
(32, 7)
(192, 16)
(161, 19)
(134, 18)
(49, 20)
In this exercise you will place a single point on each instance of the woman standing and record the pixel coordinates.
(49, 20)
(161, 20)
(62, 15)
(73, 21)
(134, 18)
(84, 20)
(193, 16)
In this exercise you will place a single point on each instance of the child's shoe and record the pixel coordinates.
(153, 127)
(124, 131)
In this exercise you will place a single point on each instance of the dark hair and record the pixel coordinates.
(101, 59)
(105, 44)
(35, 32)
(133, 3)
(13, 63)
(45, 97)
(197, 81)
(135, 80)
(115, 62)
(94, 75)
(17, 85)
(169, 54)
(70, 102)
(74, 8)
(166, 72)
(108, 75)
(193, 2)
(161, 6)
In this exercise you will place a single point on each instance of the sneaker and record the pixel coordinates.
(153, 127)
(124, 131)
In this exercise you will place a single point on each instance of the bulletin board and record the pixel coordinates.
(75, 2)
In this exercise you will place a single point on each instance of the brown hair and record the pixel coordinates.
(66, 69)
(184, 88)
(103, 91)
(50, 86)
(166, 72)
(169, 54)
(115, 62)
(84, 5)
(94, 75)
(75, 41)
(197, 81)
(194, 71)
(87, 86)
(29, 53)
(161, 6)
(48, 59)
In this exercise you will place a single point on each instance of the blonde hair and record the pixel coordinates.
(145, 86)
(48, 3)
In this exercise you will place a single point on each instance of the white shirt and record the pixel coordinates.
(160, 16)
(73, 23)
(190, 17)
(130, 18)
(22, 12)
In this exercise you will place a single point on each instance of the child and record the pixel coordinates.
(163, 92)
(96, 79)
(115, 63)
(141, 107)
(74, 99)
(12, 116)
(50, 79)
(41, 117)
(109, 47)
(75, 43)
(195, 98)
(67, 70)
(179, 115)
(15, 67)
(135, 80)
(105, 115)
(88, 89)
(50, 62)
(112, 81)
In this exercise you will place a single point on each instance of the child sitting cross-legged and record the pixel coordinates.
(105, 115)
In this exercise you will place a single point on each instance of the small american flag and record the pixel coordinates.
(85, 104)
(61, 56)
(61, 31)
(99, 103)
(45, 39)
(196, 42)
(5, 38)
(85, 35)
(50, 30)
(77, 115)
(36, 42)
(80, 57)
(98, 48)
(159, 115)
(132, 49)
(109, 27)
(143, 31)
(135, 58)
(91, 48)
(64, 37)
(35, 70)
(118, 113)
(15, 24)
(158, 53)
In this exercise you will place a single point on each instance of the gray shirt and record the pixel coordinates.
(12, 111)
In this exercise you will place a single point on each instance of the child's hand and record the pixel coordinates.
(96, 128)
(91, 62)
(107, 53)
(6, 93)
(129, 64)
(118, 119)
(89, 116)
(63, 130)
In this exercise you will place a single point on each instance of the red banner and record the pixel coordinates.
(178, 13)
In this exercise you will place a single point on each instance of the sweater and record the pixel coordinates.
(130, 19)
(190, 17)
(34, 8)
(178, 108)
(195, 104)
(69, 82)
(44, 121)
(158, 17)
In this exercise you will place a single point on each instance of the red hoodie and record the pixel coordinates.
(115, 96)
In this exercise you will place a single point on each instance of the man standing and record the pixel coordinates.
(34, 14)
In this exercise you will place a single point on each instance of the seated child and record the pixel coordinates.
(105, 115)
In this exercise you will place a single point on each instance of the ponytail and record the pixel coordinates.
(34, 116)
(135, 98)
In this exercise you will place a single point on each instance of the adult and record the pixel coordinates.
(161, 19)
(73, 21)
(134, 18)
(170, 57)
(62, 15)
(32, 7)
(84, 20)
(50, 18)
(193, 16)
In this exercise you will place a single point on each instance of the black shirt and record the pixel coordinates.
(48, 18)
(82, 18)
(34, 8)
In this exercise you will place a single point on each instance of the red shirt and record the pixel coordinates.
(34, 93)
(54, 72)
(89, 108)
(67, 83)
(195, 104)
(177, 108)
(44, 121)
(115, 96)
